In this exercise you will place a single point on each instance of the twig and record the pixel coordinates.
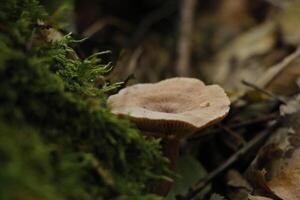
(234, 134)
(254, 121)
(239, 125)
(188, 8)
(275, 71)
(264, 91)
(201, 184)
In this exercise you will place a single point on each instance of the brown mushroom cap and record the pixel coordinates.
(173, 106)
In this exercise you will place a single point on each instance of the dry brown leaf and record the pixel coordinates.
(276, 171)
(287, 184)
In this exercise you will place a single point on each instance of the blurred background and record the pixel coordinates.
(219, 41)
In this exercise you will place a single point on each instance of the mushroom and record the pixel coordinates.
(171, 109)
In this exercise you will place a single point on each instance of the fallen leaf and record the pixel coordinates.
(275, 172)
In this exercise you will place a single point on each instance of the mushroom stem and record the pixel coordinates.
(170, 148)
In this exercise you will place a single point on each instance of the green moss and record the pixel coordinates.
(57, 138)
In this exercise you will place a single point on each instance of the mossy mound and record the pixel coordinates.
(57, 138)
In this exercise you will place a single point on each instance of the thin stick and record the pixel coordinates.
(254, 121)
(264, 91)
(201, 184)
(234, 134)
(238, 125)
